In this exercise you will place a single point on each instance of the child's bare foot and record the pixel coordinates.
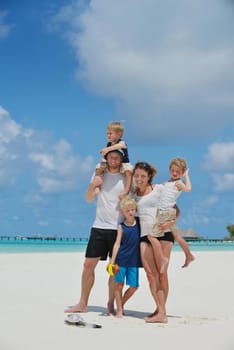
(76, 308)
(158, 318)
(164, 264)
(189, 258)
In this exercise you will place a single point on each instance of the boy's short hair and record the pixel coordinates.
(116, 126)
(180, 162)
(126, 202)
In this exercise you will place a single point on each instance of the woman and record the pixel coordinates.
(147, 197)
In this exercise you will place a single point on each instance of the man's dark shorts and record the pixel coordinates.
(168, 236)
(101, 242)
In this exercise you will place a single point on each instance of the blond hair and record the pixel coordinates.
(127, 202)
(116, 126)
(180, 163)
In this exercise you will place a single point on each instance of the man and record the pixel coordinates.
(104, 229)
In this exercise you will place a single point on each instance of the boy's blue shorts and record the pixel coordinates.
(130, 274)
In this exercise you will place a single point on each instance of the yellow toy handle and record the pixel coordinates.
(112, 269)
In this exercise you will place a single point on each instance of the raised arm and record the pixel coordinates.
(93, 188)
(185, 186)
(188, 185)
(118, 145)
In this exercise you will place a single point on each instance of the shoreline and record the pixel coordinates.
(36, 288)
(30, 246)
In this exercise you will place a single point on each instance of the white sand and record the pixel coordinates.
(35, 289)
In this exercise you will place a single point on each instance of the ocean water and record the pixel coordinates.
(41, 246)
(58, 246)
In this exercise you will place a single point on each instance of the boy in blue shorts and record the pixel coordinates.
(126, 253)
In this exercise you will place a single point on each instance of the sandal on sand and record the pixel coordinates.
(77, 320)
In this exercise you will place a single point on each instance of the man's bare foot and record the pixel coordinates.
(76, 308)
(156, 319)
(188, 260)
(164, 264)
(110, 309)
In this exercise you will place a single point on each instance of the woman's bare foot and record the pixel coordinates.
(152, 314)
(76, 308)
(119, 314)
(158, 318)
(189, 258)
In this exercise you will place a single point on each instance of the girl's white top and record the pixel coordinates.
(169, 195)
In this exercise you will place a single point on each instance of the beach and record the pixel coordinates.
(36, 287)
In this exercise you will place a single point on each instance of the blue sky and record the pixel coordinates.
(67, 68)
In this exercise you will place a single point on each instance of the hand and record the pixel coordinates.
(104, 151)
(97, 180)
(165, 225)
(122, 195)
(103, 166)
(112, 269)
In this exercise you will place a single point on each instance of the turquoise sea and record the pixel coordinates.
(58, 246)
(42, 246)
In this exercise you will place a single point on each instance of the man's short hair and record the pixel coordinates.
(119, 151)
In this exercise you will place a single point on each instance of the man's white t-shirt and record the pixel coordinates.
(108, 215)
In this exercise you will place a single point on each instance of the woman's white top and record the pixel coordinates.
(147, 206)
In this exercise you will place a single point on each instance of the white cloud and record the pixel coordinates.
(219, 162)
(223, 183)
(54, 185)
(55, 167)
(43, 223)
(4, 28)
(45, 161)
(220, 157)
(210, 201)
(59, 169)
(171, 75)
(9, 128)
